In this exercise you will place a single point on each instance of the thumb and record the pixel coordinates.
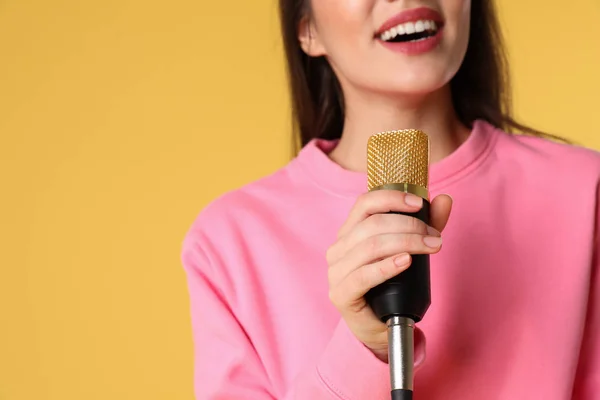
(440, 211)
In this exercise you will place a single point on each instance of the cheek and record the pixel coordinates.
(458, 17)
(340, 22)
(458, 13)
(464, 19)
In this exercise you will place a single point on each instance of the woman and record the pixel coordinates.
(278, 269)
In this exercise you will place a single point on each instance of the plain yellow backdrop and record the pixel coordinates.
(121, 119)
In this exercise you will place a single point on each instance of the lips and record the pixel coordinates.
(413, 15)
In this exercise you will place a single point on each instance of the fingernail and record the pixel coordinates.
(401, 260)
(413, 200)
(433, 232)
(432, 241)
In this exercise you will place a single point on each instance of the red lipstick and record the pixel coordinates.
(416, 46)
(413, 15)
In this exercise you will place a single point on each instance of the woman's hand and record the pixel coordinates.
(371, 248)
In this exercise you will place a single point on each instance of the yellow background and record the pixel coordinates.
(121, 119)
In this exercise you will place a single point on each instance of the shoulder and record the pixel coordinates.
(231, 216)
(545, 157)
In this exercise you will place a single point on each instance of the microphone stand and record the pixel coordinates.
(401, 356)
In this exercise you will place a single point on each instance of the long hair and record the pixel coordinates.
(480, 89)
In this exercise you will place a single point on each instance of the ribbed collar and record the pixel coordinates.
(313, 159)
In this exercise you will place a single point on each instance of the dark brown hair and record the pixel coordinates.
(480, 88)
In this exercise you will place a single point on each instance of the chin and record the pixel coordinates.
(413, 84)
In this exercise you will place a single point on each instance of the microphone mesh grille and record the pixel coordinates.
(398, 157)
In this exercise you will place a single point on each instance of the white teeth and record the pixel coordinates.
(419, 26)
(408, 28)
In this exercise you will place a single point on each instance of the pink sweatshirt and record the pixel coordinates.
(515, 310)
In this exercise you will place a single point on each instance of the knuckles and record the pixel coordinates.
(396, 222)
(417, 226)
(373, 246)
(363, 199)
(407, 242)
(384, 200)
(334, 298)
(379, 221)
(329, 255)
(361, 278)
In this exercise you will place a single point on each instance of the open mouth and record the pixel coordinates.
(410, 31)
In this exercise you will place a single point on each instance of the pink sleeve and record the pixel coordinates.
(226, 366)
(587, 380)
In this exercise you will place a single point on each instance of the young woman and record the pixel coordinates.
(278, 269)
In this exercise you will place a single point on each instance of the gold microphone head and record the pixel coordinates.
(399, 160)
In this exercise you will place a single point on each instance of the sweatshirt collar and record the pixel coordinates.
(313, 159)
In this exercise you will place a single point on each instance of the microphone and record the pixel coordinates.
(399, 160)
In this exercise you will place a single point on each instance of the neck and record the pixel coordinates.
(432, 113)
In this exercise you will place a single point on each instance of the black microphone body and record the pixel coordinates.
(409, 293)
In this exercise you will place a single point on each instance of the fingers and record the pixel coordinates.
(376, 225)
(370, 235)
(388, 244)
(439, 212)
(380, 202)
(376, 248)
(357, 284)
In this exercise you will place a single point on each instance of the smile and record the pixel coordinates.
(410, 31)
